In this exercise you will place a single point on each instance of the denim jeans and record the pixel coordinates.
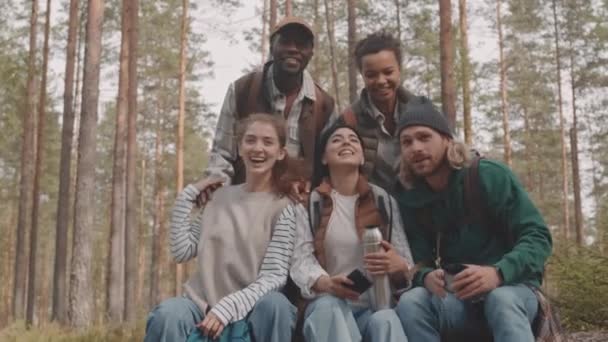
(329, 318)
(272, 319)
(507, 312)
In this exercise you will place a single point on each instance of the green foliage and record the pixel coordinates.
(581, 288)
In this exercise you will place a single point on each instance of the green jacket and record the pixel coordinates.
(465, 241)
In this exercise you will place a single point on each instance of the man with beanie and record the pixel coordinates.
(283, 87)
(477, 265)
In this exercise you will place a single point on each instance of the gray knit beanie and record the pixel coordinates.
(423, 113)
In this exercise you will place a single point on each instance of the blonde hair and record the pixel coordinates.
(458, 155)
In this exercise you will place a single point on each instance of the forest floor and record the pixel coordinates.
(53, 333)
(589, 336)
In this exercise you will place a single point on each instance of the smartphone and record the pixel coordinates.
(451, 270)
(360, 281)
(454, 269)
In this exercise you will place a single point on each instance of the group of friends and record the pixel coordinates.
(291, 186)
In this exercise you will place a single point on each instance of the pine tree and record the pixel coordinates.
(448, 85)
(28, 148)
(352, 41)
(131, 227)
(31, 286)
(180, 268)
(115, 274)
(59, 312)
(81, 299)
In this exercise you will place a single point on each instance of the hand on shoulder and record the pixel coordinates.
(206, 186)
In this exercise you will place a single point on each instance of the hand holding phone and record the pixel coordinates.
(450, 271)
(360, 281)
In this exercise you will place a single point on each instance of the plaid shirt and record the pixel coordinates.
(224, 150)
(387, 156)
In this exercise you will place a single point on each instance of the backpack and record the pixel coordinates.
(233, 332)
(546, 325)
(381, 197)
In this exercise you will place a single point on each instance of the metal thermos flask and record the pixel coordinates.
(380, 292)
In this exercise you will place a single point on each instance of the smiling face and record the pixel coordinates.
(343, 149)
(382, 75)
(292, 49)
(260, 148)
(423, 150)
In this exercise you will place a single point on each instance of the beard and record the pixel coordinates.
(408, 175)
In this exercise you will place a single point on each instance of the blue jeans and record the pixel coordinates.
(508, 311)
(272, 319)
(329, 318)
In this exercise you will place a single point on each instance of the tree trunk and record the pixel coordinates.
(27, 175)
(528, 180)
(427, 65)
(329, 21)
(59, 311)
(77, 108)
(264, 36)
(7, 262)
(141, 258)
(81, 299)
(576, 178)
(448, 86)
(503, 89)
(398, 13)
(180, 268)
(156, 264)
(273, 14)
(398, 10)
(288, 8)
(599, 228)
(131, 227)
(42, 306)
(318, 26)
(31, 284)
(78, 88)
(465, 64)
(116, 262)
(352, 41)
(564, 162)
(164, 260)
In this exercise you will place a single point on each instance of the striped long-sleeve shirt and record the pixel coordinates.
(186, 235)
(185, 232)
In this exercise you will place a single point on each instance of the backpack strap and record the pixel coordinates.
(476, 207)
(390, 221)
(315, 202)
(314, 211)
(472, 193)
(320, 109)
(381, 196)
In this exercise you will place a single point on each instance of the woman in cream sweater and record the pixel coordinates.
(230, 241)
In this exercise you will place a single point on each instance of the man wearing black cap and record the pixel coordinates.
(477, 265)
(283, 88)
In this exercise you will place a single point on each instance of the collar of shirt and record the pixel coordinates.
(378, 115)
(307, 90)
